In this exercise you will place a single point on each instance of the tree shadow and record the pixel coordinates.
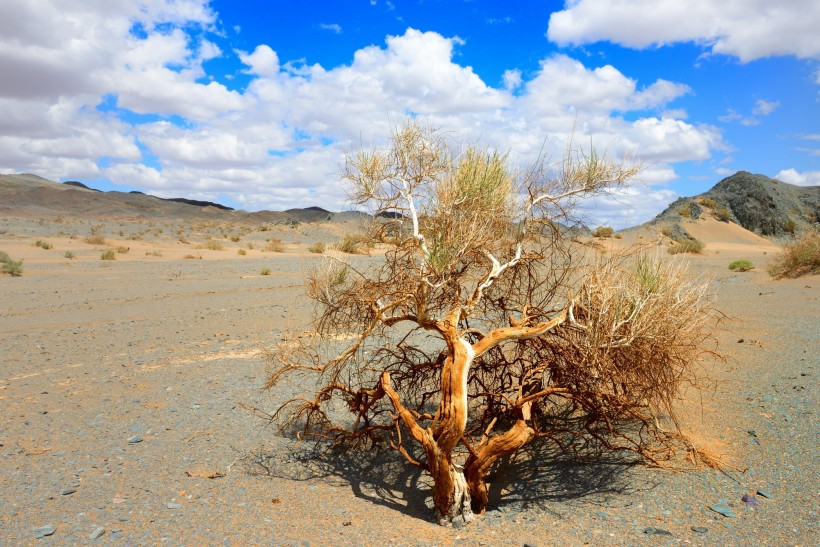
(537, 477)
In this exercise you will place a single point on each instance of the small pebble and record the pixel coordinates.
(723, 510)
(68, 491)
(651, 530)
(98, 531)
(765, 493)
(700, 529)
(750, 500)
(135, 439)
(174, 505)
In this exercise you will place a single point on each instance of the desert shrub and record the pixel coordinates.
(800, 257)
(265, 271)
(789, 226)
(741, 265)
(603, 231)
(618, 236)
(235, 238)
(109, 254)
(683, 245)
(43, 244)
(317, 248)
(249, 245)
(11, 267)
(211, 244)
(352, 244)
(265, 228)
(153, 253)
(241, 252)
(95, 239)
(708, 202)
(666, 230)
(723, 214)
(684, 211)
(275, 245)
(68, 254)
(123, 250)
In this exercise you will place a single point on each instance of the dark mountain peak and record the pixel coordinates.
(78, 184)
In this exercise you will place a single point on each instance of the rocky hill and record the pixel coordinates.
(760, 204)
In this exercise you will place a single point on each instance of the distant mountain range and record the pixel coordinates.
(758, 203)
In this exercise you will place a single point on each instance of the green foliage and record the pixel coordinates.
(68, 254)
(789, 226)
(685, 211)
(11, 267)
(708, 202)
(241, 252)
(235, 238)
(603, 231)
(109, 254)
(43, 244)
(265, 271)
(801, 257)
(123, 250)
(741, 266)
(317, 248)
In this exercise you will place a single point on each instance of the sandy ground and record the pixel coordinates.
(122, 420)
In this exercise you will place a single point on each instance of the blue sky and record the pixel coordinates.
(255, 104)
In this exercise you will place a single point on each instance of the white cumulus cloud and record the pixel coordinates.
(806, 178)
(748, 29)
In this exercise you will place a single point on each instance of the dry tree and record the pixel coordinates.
(486, 321)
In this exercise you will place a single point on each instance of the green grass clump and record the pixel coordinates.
(265, 271)
(68, 254)
(241, 252)
(43, 244)
(681, 245)
(352, 244)
(685, 211)
(801, 257)
(318, 248)
(723, 214)
(741, 266)
(110, 254)
(11, 267)
(603, 231)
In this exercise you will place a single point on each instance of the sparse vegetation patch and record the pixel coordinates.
(801, 257)
(317, 248)
(11, 267)
(108, 254)
(741, 266)
(603, 231)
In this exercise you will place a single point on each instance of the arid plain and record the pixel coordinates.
(124, 388)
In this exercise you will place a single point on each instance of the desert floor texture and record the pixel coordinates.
(124, 386)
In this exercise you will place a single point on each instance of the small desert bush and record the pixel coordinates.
(95, 239)
(352, 244)
(275, 246)
(43, 244)
(109, 254)
(681, 245)
(318, 248)
(708, 202)
(685, 211)
(265, 271)
(241, 252)
(790, 226)
(741, 266)
(249, 245)
(603, 231)
(800, 257)
(666, 230)
(211, 244)
(123, 250)
(236, 238)
(618, 236)
(11, 267)
(68, 254)
(153, 253)
(723, 214)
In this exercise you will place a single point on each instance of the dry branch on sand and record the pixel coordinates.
(486, 328)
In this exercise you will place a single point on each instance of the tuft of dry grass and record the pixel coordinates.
(317, 248)
(95, 239)
(109, 254)
(211, 244)
(603, 231)
(801, 257)
(275, 245)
